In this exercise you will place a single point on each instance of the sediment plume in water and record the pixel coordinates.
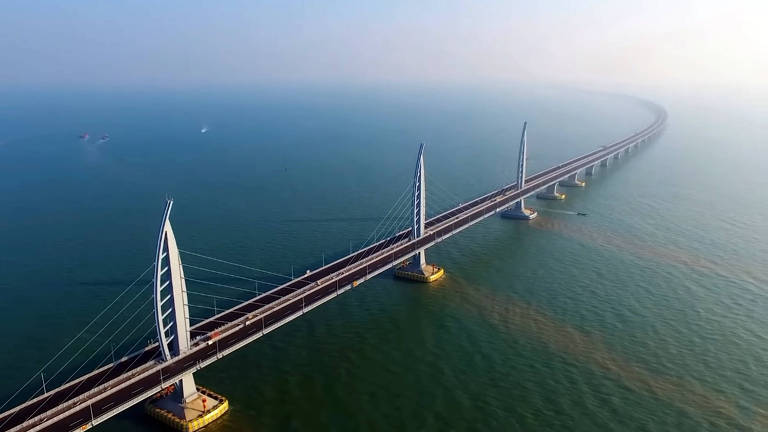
(523, 320)
(643, 249)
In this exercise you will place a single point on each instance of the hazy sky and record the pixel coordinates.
(193, 43)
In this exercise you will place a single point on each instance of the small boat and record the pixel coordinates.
(204, 129)
(104, 138)
(84, 136)
(581, 213)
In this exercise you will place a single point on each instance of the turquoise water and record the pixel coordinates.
(646, 315)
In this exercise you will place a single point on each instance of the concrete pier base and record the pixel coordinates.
(573, 181)
(425, 273)
(189, 416)
(519, 211)
(551, 193)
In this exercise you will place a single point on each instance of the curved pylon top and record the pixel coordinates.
(521, 161)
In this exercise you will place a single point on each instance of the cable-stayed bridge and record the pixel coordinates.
(260, 304)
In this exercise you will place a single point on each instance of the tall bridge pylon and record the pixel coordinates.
(171, 310)
(418, 269)
(419, 205)
(518, 209)
(187, 403)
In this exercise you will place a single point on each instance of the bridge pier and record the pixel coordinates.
(551, 193)
(591, 171)
(417, 268)
(617, 155)
(518, 209)
(191, 415)
(604, 162)
(183, 405)
(573, 181)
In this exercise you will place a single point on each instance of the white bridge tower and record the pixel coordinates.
(187, 402)
(518, 209)
(418, 269)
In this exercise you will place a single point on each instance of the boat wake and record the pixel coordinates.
(561, 211)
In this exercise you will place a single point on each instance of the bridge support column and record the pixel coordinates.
(617, 155)
(518, 209)
(182, 405)
(551, 193)
(573, 181)
(591, 170)
(417, 268)
(604, 162)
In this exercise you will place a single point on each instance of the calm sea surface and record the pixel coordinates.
(647, 315)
